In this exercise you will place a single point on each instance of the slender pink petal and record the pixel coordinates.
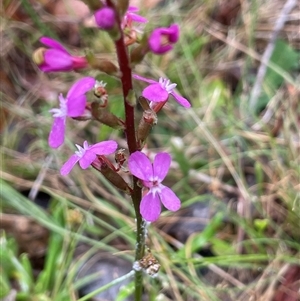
(181, 100)
(155, 93)
(51, 43)
(67, 167)
(140, 166)
(87, 159)
(57, 133)
(56, 60)
(104, 147)
(81, 86)
(150, 207)
(169, 198)
(132, 9)
(137, 18)
(144, 79)
(76, 106)
(161, 165)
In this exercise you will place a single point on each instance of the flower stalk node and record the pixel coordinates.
(149, 264)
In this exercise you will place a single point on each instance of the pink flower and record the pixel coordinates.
(159, 91)
(131, 16)
(87, 154)
(105, 18)
(57, 58)
(71, 106)
(161, 39)
(152, 175)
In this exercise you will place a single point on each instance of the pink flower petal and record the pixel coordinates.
(140, 166)
(150, 207)
(144, 79)
(67, 167)
(81, 87)
(105, 18)
(137, 18)
(174, 33)
(76, 106)
(55, 60)
(158, 37)
(181, 100)
(169, 199)
(104, 147)
(155, 43)
(161, 165)
(155, 93)
(132, 9)
(87, 159)
(51, 43)
(57, 133)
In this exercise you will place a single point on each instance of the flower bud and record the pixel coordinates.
(105, 18)
(103, 65)
(106, 117)
(148, 120)
(138, 54)
(111, 175)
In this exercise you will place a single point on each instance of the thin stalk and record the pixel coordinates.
(127, 87)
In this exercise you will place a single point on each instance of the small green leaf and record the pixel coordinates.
(125, 291)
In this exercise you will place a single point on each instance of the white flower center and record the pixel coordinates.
(62, 111)
(154, 184)
(98, 84)
(166, 84)
(81, 150)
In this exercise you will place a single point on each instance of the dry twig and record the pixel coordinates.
(289, 5)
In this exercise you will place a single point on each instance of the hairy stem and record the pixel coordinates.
(130, 132)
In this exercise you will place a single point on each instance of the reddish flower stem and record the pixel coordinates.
(126, 79)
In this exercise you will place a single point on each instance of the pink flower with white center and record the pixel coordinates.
(57, 58)
(87, 154)
(159, 91)
(161, 39)
(131, 16)
(151, 175)
(71, 106)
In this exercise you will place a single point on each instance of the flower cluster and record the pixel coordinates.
(124, 27)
